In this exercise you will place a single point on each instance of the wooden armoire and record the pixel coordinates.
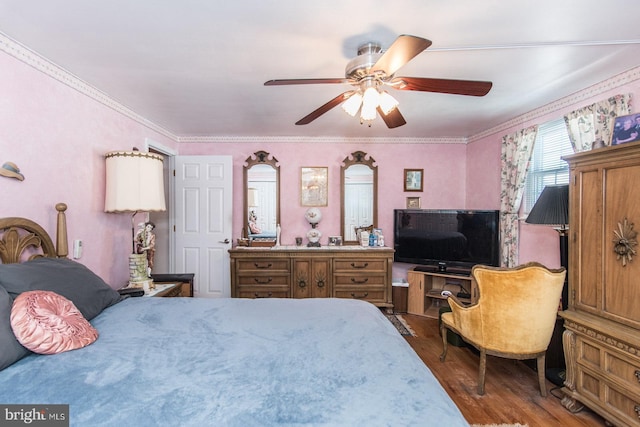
(602, 336)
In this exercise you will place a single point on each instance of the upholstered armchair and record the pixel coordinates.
(513, 318)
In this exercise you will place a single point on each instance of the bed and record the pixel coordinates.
(206, 362)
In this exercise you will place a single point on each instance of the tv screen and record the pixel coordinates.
(447, 238)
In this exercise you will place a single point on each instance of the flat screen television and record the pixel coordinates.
(447, 240)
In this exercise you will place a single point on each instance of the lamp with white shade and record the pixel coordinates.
(135, 183)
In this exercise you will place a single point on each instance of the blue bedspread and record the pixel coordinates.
(237, 362)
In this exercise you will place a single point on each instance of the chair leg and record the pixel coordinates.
(541, 378)
(443, 332)
(483, 369)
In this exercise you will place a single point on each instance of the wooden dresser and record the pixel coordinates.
(602, 337)
(301, 272)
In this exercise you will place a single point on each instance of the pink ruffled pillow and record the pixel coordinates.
(48, 323)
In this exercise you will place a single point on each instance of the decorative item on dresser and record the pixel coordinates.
(261, 186)
(299, 272)
(602, 323)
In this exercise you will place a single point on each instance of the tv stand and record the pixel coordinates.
(425, 289)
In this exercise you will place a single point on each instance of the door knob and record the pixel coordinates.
(226, 241)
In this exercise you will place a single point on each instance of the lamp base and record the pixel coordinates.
(138, 269)
(146, 284)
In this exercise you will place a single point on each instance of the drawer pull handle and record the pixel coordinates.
(366, 294)
(637, 374)
(320, 283)
(637, 410)
(257, 295)
(354, 265)
(262, 282)
(365, 280)
(302, 283)
(262, 265)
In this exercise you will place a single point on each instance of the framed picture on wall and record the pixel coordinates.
(413, 179)
(626, 129)
(314, 186)
(413, 202)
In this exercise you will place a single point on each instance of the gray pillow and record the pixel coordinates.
(68, 278)
(10, 349)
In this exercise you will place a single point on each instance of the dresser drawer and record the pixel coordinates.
(616, 366)
(261, 265)
(359, 280)
(263, 280)
(603, 393)
(371, 295)
(608, 378)
(352, 265)
(262, 292)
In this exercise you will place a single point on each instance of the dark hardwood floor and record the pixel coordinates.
(511, 387)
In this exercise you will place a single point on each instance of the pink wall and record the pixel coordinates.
(58, 137)
(443, 165)
(537, 242)
(444, 186)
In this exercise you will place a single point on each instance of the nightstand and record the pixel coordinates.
(166, 290)
(183, 281)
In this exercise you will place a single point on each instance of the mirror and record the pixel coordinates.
(359, 204)
(261, 195)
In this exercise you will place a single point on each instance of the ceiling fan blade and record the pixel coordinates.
(283, 82)
(456, 87)
(403, 50)
(394, 119)
(323, 109)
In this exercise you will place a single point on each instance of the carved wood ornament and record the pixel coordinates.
(625, 242)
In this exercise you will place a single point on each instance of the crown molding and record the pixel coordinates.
(318, 140)
(588, 93)
(31, 58)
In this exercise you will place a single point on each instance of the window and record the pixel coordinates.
(546, 166)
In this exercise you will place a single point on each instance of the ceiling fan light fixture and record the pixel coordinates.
(370, 101)
(387, 102)
(352, 105)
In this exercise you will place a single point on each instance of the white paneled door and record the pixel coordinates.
(203, 195)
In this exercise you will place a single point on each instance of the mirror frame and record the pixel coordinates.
(258, 158)
(357, 158)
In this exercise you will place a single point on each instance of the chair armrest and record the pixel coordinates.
(452, 297)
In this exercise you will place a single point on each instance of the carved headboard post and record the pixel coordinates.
(22, 239)
(62, 242)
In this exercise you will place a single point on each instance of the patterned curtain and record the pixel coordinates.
(514, 159)
(592, 125)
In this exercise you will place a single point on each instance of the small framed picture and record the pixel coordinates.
(335, 240)
(413, 202)
(313, 186)
(413, 179)
(626, 129)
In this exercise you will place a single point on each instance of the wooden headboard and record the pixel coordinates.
(22, 239)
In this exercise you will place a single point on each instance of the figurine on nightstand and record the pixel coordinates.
(146, 243)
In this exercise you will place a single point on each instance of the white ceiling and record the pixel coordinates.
(197, 67)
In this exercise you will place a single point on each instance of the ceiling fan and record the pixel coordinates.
(374, 68)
